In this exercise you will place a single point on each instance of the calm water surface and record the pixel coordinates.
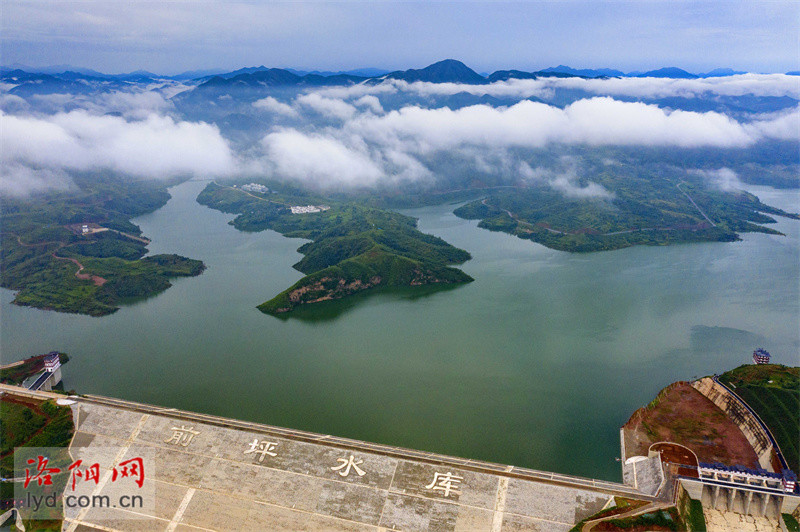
(537, 363)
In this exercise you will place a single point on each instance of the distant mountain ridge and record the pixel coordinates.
(74, 79)
(586, 72)
(447, 71)
(668, 72)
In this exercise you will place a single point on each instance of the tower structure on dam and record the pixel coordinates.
(760, 356)
(52, 364)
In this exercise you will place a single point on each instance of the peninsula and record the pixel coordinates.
(77, 251)
(624, 207)
(353, 247)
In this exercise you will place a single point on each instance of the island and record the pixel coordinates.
(77, 250)
(353, 247)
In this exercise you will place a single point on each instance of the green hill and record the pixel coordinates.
(773, 391)
(627, 209)
(353, 247)
(52, 265)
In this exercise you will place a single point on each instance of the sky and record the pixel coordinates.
(171, 37)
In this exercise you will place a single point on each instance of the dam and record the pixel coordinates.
(212, 473)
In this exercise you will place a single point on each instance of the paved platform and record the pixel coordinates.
(214, 473)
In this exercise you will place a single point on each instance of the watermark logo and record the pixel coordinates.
(90, 483)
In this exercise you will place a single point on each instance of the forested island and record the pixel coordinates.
(77, 251)
(353, 247)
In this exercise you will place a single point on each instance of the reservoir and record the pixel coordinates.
(537, 363)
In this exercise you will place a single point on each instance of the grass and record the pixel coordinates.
(695, 518)
(621, 505)
(668, 519)
(791, 523)
(30, 425)
(773, 391)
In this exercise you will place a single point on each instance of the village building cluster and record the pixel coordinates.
(255, 187)
(299, 209)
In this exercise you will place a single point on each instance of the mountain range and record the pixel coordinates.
(445, 71)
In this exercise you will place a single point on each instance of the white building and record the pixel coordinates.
(297, 209)
(255, 187)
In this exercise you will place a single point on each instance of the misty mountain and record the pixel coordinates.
(360, 72)
(666, 72)
(720, 72)
(54, 69)
(586, 72)
(31, 83)
(196, 74)
(505, 75)
(277, 77)
(447, 71)
(240, 71)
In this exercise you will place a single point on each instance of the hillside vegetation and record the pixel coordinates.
(773, 391)
(630, 209)
(53, 266)
(353, 247)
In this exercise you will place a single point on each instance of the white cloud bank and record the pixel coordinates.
(37, 151)
(761, 85)
(370, 147)
(320, 160)
(565, 180)
(595, 121)
(272, 105)
(723, 179)
(329, 107)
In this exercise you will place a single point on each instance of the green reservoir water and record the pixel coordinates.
(537, 363)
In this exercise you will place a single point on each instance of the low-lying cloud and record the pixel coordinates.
(595, 121)
(272, 105)
(564, 179)
(320, 160)
(369, 146)
(723, 179)
(154, 147)
(760, 85)
(328, 107)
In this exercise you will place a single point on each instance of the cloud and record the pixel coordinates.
(760, 85)
(361, 89)
(319, 160)
(17, 180)
(722, 178)
(272, 105)
(565, 180)
(371, 102)
(10, 103)
(135, 103)
(406, 144)
(740, 85)
(154, 147)
(330, 107)
(595, 121)
(779, 126)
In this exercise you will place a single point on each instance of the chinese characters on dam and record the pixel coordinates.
(447, 483)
